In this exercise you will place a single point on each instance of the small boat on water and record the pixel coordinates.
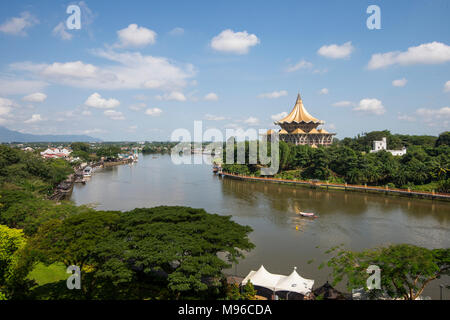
(307, 214)
(87, 172)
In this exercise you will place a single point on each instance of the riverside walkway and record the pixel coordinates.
(345, 186)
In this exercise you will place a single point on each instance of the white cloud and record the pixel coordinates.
(34, 118)
(13, 86)
(427, 53)
(135, 36)
(177, 31)
(60, 31)
(5, 106)
(131, 70)
(273, 95)
(370, 106)
(95, 130)
(279, 116)
(211, 97)
(137, 106)
(251, 121)
(35, 97)
(174, 95)
(447, 86)
(405, 117)
(323, 91)
(86, 113)
(399, 82)
(213, 117)
(302, 64)
(335, 51)
(114, 115)
(95, 100)
(442, 112)
(343, 104)
(154, 112)
(17, 25)
(234, 42)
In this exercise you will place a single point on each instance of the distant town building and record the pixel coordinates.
(300, 128)
(29, 149)
(56, 153)
(379, 145)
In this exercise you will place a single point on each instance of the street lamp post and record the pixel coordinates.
(441, 287)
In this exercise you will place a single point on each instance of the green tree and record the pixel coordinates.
(405, 269)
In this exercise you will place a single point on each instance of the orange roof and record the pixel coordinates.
(299, 114)
(323, 131)
(282, 131)
(298, 131)
(314, 130)
(269, 132)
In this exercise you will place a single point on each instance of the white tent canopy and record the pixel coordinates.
(277, 282)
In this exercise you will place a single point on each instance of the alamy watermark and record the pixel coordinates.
(235, 146)
(74, 281)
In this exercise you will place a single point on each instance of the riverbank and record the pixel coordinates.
(345, 187)
(64, 189)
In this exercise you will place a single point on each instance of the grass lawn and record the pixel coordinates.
(47, 274)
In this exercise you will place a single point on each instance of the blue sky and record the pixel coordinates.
(137, 70)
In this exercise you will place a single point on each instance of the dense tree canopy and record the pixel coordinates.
(180, 245)
(405, 269)
(424, 167)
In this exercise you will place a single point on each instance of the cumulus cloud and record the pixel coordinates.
(95, 100)
(399, 82)
(335, 51)
(323, 91)
(302, 64)
(135, 36)
(131, 70)
(177, 31)
(13, 86)
(114, 115)
(17, 25)
(34, 118)
(447, 86)
(5, 106)
(342, 104)
(154, 112)
(427, 53)
(251, 121)
(61, 32)
(35, 97)
(405, 117)
(429, 113)
(137, 106)
(373, 106)
(273, 95)
(279, 116)
(213, 117)
(211, 97)
(234, 42)
(174, 95)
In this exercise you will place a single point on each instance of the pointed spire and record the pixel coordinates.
(299, 114)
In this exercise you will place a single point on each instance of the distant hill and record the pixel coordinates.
(7, 135)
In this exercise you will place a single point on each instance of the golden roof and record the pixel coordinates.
(299, 114)
(313, 130)
(282, 131)
(269, 132)
(323, 131)
(297, 131)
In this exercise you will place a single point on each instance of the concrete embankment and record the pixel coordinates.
(345, 187)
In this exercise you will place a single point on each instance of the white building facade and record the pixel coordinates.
(382, 145)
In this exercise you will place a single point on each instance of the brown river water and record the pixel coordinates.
(356, 220)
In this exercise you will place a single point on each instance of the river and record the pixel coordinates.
(356, 220)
